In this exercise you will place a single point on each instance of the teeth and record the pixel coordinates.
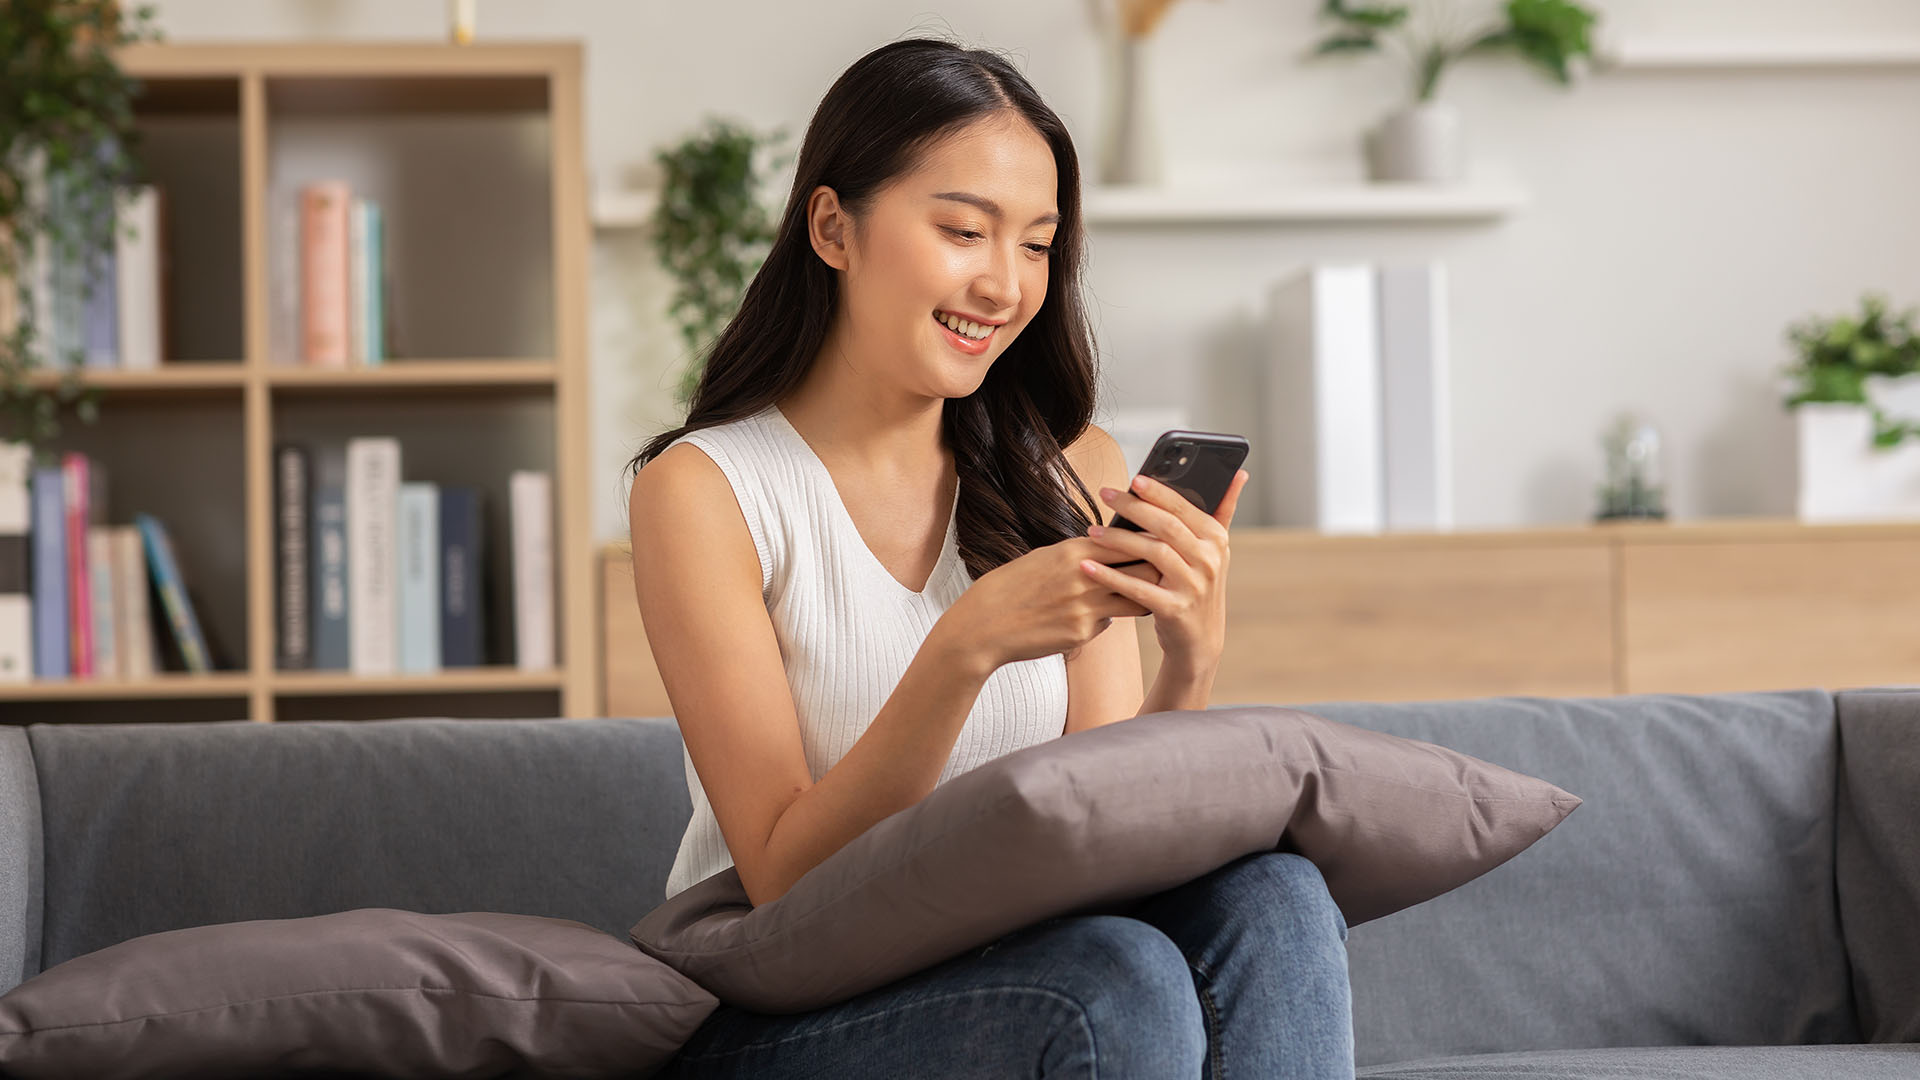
(963, 327)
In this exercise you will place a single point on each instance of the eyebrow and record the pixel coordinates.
(992, 207)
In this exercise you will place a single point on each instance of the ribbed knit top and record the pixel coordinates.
(847, 627)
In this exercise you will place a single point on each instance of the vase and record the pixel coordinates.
(1842, 475)
(1130, 151)
(1421, 143)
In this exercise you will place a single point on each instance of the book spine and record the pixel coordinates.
(73, 467)
(419, 577)
(173, 594)
(376, 285)
(101, 318)
(294, 649)
(330, 598)
(461, 614)
(106, 653)
(373, 493)
(357, 283)
(533, 619)
(50, 645)
(136, 618)
(137, 279)
(324, 273)
(16, 562)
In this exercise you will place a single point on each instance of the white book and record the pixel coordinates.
(373, 496)
(106, 655)
(530, 494)
(419, 577)
(16, 578)
(135, 630)
(357, 282)
(1416, 418)
(1323, 424)
(137, 277)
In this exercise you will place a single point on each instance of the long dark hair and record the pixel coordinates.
(1007, 436)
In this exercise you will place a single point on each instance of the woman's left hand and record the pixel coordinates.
(1189, 547)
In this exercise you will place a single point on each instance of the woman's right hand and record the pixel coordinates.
(1042, 603)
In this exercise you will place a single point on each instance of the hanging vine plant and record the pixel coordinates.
(66, 126)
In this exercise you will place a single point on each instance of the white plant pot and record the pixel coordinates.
(1843, 477)
(1420, 143)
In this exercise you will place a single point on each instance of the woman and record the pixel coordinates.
(863, 570)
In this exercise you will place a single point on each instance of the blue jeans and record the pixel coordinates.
(1240, 974)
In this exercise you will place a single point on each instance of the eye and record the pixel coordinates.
(1040, 249)
(967, 233)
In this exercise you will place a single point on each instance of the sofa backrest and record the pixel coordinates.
(20, 901)
(1690, 898)
(152, 827)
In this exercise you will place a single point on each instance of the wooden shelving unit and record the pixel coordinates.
(475, 153)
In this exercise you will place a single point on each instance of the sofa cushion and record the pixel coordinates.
(149, 826)
(1098, 818)
(20, 860)
(1878, 849)
(1690, 900)
(375, 991)
(1667, 1063)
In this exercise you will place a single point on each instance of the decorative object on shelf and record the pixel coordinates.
(460, 21)
(1855, 396)
(1423, 140)
(712, 230)
(1130, 150)
(66, 133)
(1635, 488)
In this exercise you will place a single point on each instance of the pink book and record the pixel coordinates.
(73, 470)
(323, 272)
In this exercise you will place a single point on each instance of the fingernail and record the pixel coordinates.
(1108, 493)
(1140, 483)
(1097, 530)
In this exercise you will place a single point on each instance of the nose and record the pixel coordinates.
(998, 286)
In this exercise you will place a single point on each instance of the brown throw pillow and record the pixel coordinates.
(376, 991)
(1099, 817)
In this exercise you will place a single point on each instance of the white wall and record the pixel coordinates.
(1678, 221)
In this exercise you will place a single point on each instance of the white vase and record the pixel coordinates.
(1421, 143)
(1130, 152)
(1842, 476)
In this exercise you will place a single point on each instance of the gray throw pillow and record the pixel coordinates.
(1101, 817)
(376, 991)
(1877, 857)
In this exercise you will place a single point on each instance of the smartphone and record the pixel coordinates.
(1198, 464)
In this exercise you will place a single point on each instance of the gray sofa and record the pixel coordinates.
(1737, 897)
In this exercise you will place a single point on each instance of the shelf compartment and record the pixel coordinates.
(189, 143)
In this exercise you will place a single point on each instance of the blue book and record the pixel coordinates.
(419, 550)
(101, 334)
(177, 609)
(461, 612)
(329, 598)
(376, 279)
(50, 656)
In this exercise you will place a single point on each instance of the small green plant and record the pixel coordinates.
(712, 231)
(1838, 354)
(66, 122)
(1547, 33)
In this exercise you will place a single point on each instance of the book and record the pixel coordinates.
(462, 570)
(106, 653)
(100, 314)
(419, 545)
(373, 495)
(329, 599)
(138, 266)
(74, 469)
(134, 618)
(375, 276)
(183, 623)
(324, 214)
(16, 563)
(50, 643)
(531, 504)
(356, 282)
(293, 645)
(1415, 418)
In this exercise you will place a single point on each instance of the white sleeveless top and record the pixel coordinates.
(847, 627)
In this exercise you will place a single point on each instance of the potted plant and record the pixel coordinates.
(712, 230)
(66, 126)
(1422, 140)
(1855, 393)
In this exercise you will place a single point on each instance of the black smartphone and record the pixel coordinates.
(1198, 464)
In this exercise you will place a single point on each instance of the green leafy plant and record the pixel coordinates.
(1546, 33)
(66, 123)
(1838, 354)
(711, 230)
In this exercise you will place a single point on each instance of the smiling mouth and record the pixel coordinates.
(963, 337)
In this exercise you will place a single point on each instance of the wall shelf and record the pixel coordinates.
(1758, 55)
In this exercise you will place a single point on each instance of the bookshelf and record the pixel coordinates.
(476, 154)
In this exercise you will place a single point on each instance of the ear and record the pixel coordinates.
(828, 227)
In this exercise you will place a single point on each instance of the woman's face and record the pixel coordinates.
(964, 236)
